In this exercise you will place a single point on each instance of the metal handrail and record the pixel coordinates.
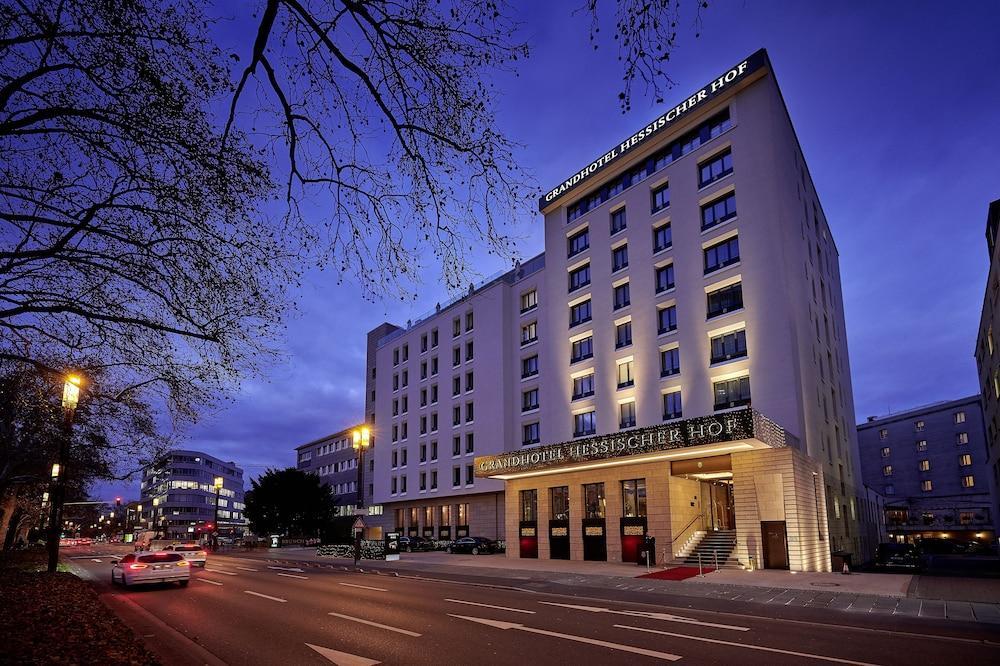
(684, 530)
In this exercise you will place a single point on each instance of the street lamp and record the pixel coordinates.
(57, 484)
(215, 532)
(362, 440)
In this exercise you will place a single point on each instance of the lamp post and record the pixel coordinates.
(362, 440)
(215, 524)
(57, 482)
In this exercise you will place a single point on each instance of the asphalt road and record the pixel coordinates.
(244, 610)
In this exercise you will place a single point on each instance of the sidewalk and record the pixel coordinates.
(878, 584)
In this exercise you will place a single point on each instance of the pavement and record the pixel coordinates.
(249, 609)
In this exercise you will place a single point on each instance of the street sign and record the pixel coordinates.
(359, 524)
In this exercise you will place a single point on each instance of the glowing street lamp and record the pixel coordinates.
(218, 482)
(362, 440)
(70, 399)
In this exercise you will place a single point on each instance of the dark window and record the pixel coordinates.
(583, 386)
(729, 346)
(618, 222)
(529, 366)
(530, 434)
(469, 321)
(660, 197)
(529, 505)
(619, 258)
(662, 238)
(732, 393)
(670, 362)
(725, 300)
(623, 335)
(529, 400)
(666, 319)
(529, 333)
(470, 442)
(469, 351)
(722, 254)
(718, 167)
(529, 301)
(672, 405)
(621, 296)
(584, 424)
(579, 313)
(578, 242)
(582, 349)
(664, 278)
(579, 277)
(626, 415)
(718, 211)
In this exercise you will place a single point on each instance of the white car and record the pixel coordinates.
(135, 569)
(192, 552)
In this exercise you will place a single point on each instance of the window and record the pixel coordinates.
(593, 500)
(434, 365)
(423, 343)
(456, 415)
(529, 301)
(959, 417)
(621, 296)
(470, 412)
(559, 502)
(623, 334)
(968, 481)
(626, 414)
(469, 322)
(583, 387)
(406, 353)
(672, 405)
(964, 460)
(434, 338)
(456, 445)
(529, 400)
(727, 299)
(584, 424)
(394, 485)
(889, 490)
(962, 438)
(883, 434)
(732, 392)
(456, 477)
(664, 278)
(625, 376)
(924, 465)
(618, 222)
(579, 277)
(660, 197)
(922, 445)
(582, 349)
(729, 346)
(456, 385)
(469, 381)
(715, 169)
(887, 470)
(456, 356)
(530, 434)
(395, 459)
(529, 366)
(529, 333)
(395, 356)
(918, 426)
(578, 242)
(662, 238)
(927, 486)
(722, 254)
(619, 258)
(670, 362)
(529, 505)
(470, 442)
(423, 369)
(666, 319)
(402, 484)
(470, 475)
(423, 481)
(434, 451)
(718, 211)
(634, 498)
(885, 452)
(395, 382)
(469, 351)
(579, 313)
(456, 327)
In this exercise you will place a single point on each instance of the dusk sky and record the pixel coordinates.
(897, 108)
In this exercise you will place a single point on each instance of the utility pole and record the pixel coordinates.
(57, 482)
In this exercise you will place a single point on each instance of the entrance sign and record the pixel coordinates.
(727, 427)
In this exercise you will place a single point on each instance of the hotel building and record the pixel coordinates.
(673, 366)
(988, 357)
(930, 466)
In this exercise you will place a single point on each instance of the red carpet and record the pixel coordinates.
(677, 573)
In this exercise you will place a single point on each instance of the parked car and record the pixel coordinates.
(893, 555)
(935, 546)
(415, 544)
(192, 552)
(136, 569)
(474, 545)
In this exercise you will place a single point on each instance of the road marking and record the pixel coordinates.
(647, 614)
(295, 569)
(474, 603)
(748, 646)
(266, 596)
(376, 624)
(95, 560)
(343, 658)
(364, 587)
(212, 582)
(249, 569)
(293, 576)
(227, 573)
(570, 637)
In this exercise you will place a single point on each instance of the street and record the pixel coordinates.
(245, 610)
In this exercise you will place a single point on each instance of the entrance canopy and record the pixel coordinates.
(712, 435)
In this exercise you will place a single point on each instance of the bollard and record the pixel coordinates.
(700, 573)
(716, 552)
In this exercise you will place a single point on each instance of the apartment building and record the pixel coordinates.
(988, 357)
(334, 460)
(930, 464)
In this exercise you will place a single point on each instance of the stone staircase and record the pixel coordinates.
(707, 544)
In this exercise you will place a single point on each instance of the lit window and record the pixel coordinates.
(926, 486)
(625, 375)
(962, 438)
(968, 481)
(922, 445)
(924, 465)
(965, 460)
(529, 300)
(887, 470)
(918, 426)
(529, 333)
(885, 452)
(959, 417)
(883, 434)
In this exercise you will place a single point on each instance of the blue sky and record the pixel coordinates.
(897, 108)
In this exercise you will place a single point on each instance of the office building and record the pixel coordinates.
(334, 460)
(929, 463)
(674, 364)
(988, 357)
(178, 497)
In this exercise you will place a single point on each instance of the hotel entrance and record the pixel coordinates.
(715, 475)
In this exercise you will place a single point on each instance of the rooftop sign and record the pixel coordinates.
(721, 84)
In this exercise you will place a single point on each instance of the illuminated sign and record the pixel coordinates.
(721, 84)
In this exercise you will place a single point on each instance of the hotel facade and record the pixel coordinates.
(674, 365)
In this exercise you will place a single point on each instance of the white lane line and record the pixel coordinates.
(266, 596)
(474, 603)
(247, 569)
(376, 624)
(293, 576)
(227, 573)
(667, 617)
(212, 582)
(748, 646)
(95, 560)
(570, 637)
(295, 569)
(343, 658)
(364, 587)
